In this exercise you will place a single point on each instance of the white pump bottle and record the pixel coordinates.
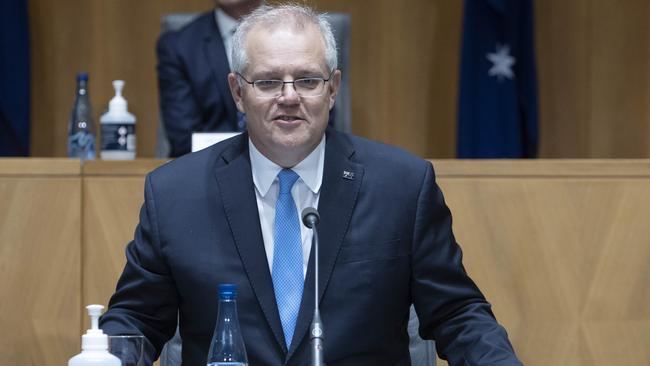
(94, 344)
(118, 140)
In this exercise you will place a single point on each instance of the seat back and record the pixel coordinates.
(340, 23)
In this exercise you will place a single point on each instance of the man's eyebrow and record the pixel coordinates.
(278, 74)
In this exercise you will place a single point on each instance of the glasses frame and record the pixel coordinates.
(292, 82)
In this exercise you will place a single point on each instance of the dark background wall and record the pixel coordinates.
(593, 68)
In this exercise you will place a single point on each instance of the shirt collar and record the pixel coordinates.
(310, 169)
(225, 22)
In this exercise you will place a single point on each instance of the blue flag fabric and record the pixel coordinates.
(497, 115)
(14, 78)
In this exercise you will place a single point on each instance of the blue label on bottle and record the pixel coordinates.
(81, 145)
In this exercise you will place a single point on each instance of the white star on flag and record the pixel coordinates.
(501, 63)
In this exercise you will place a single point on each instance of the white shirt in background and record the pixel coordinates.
(227, 26)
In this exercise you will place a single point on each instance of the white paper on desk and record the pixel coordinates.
(201, 140)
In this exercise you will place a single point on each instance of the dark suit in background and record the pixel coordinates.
(386, 241)
(193, 85)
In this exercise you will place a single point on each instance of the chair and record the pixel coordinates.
(340, 23)
(423, 353)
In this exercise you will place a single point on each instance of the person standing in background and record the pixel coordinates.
(193, 67)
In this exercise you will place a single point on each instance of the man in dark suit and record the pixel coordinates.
(193, 70)
(228, 214)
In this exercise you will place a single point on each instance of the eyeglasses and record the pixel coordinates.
(305, 87)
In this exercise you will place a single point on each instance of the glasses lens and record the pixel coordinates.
(268, 88)
(306, 87)
(309, 86)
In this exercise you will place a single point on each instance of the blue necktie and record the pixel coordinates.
(287, 256)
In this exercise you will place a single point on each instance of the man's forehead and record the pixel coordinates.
(281, 48)
(276, 31)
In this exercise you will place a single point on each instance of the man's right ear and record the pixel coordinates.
(236, 91)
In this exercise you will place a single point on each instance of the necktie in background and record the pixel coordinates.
(287, 256)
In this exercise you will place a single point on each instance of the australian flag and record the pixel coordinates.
(497, 116)
(14, 78)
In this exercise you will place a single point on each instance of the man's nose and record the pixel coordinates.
(288, 94)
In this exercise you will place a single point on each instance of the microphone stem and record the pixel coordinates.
(316, 261)
(317, 358)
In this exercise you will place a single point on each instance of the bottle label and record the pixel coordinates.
(81, 145)
(118, 137)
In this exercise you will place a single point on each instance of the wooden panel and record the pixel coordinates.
(593, 67)
(594, 78)
(564, 260)
(109, 39)
(620, 79)
(541, 238)
(562, 45)
(404, 62)
(539, 168)
(40, 290)
(110, 209)
(138, 167)
(39, 167)
(395, 47)
(559, 247)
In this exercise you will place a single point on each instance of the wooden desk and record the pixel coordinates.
(561, 249)
(40, 261)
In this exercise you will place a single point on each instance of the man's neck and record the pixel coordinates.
(286, 159)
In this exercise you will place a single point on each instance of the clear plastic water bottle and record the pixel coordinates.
(227, 346)
(81, 129)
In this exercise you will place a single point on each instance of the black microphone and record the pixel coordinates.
(310, 218)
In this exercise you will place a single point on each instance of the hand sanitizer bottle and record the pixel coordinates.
(94, 344)
(118, 128)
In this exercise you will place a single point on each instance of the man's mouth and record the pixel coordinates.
(287, 118)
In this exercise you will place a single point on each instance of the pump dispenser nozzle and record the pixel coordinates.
(94, 339)
(118, 103)
(94, 344)
(118, 85)
(94, 311)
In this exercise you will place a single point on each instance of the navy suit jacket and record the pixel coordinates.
(193, 83)
(386, 242)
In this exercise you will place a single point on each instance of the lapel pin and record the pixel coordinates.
(348, 175)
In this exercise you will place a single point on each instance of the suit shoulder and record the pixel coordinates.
(388, 156)
(195, 167)
(203, 25)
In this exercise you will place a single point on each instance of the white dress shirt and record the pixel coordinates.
(305, 193)
(227, 26)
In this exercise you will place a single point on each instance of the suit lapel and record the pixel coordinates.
(235, 183)
(342, 179)
(218, 61)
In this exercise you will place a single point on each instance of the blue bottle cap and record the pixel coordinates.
(227, 291)
(82, 76)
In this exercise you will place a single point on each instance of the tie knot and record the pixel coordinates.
(287, 178)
